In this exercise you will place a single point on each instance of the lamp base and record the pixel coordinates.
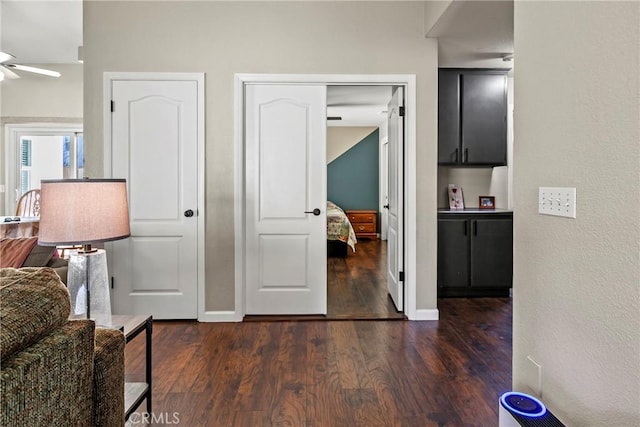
(88, 284)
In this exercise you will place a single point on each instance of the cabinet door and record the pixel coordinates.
(484, 118)
(491, 253)
(448, 117)
(453, 253)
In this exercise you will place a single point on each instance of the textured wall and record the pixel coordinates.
(353, 178)
(576, 281)
(224, 38)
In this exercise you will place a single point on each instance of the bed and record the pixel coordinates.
(340, 233)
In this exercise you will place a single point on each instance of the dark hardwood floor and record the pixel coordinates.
(356, 287)
(333, 373)
(357, 284)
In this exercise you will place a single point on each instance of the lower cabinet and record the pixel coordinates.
(475, 254)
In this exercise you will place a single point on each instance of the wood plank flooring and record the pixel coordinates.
(356, 287)
(333, 373)
(357, 284)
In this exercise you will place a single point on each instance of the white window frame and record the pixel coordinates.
(13, 135)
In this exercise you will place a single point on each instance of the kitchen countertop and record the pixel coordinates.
(473, 210)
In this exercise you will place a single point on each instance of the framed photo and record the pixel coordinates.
(456, 200)
(487, 202)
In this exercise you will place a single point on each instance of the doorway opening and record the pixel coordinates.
(408, 172)
(357, 144)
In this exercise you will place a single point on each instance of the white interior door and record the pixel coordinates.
(285, 169)
(395, 243)
(154, 147)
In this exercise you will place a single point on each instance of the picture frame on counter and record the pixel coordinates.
(456, 199)
(486, 202)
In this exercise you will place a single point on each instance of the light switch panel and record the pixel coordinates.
(557, 201)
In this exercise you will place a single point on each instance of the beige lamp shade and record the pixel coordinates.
(83, 211)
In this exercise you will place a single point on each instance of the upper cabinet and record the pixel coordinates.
(472, 117)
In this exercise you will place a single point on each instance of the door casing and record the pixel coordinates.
(108, 78)
(408, 81)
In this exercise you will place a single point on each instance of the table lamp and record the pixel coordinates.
(85, 212)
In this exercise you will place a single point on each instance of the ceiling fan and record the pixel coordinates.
(6, 68)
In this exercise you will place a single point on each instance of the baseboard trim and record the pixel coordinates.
(231, 316)
(219, 316)
(427, 314)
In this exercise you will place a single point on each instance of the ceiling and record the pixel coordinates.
(470, 34)
(41, 31)
(475, 34)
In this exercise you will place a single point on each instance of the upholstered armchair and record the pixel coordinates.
(53, 371)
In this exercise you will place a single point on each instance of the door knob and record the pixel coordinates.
(188, 213)
(386, 206)
(316, 211)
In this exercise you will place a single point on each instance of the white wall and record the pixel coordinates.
(36, 98)
(475, 182)
(35, 95)
(577, 281)
(433, 10)
(224, 38)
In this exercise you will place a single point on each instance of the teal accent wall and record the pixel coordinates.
(353, 178)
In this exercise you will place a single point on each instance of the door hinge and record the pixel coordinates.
(113, 106)
(401, 112)
(401, 276)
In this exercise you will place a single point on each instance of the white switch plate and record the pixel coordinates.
(557, 201)
(533, 375)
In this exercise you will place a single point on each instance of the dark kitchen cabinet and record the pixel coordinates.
(472, 117)
(453, 253)
(475, 254)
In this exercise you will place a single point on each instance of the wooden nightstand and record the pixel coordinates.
(364, 223)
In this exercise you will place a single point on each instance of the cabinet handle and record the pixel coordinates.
(457, 155)
(475, 228)
(465, 158)
(465, 227)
